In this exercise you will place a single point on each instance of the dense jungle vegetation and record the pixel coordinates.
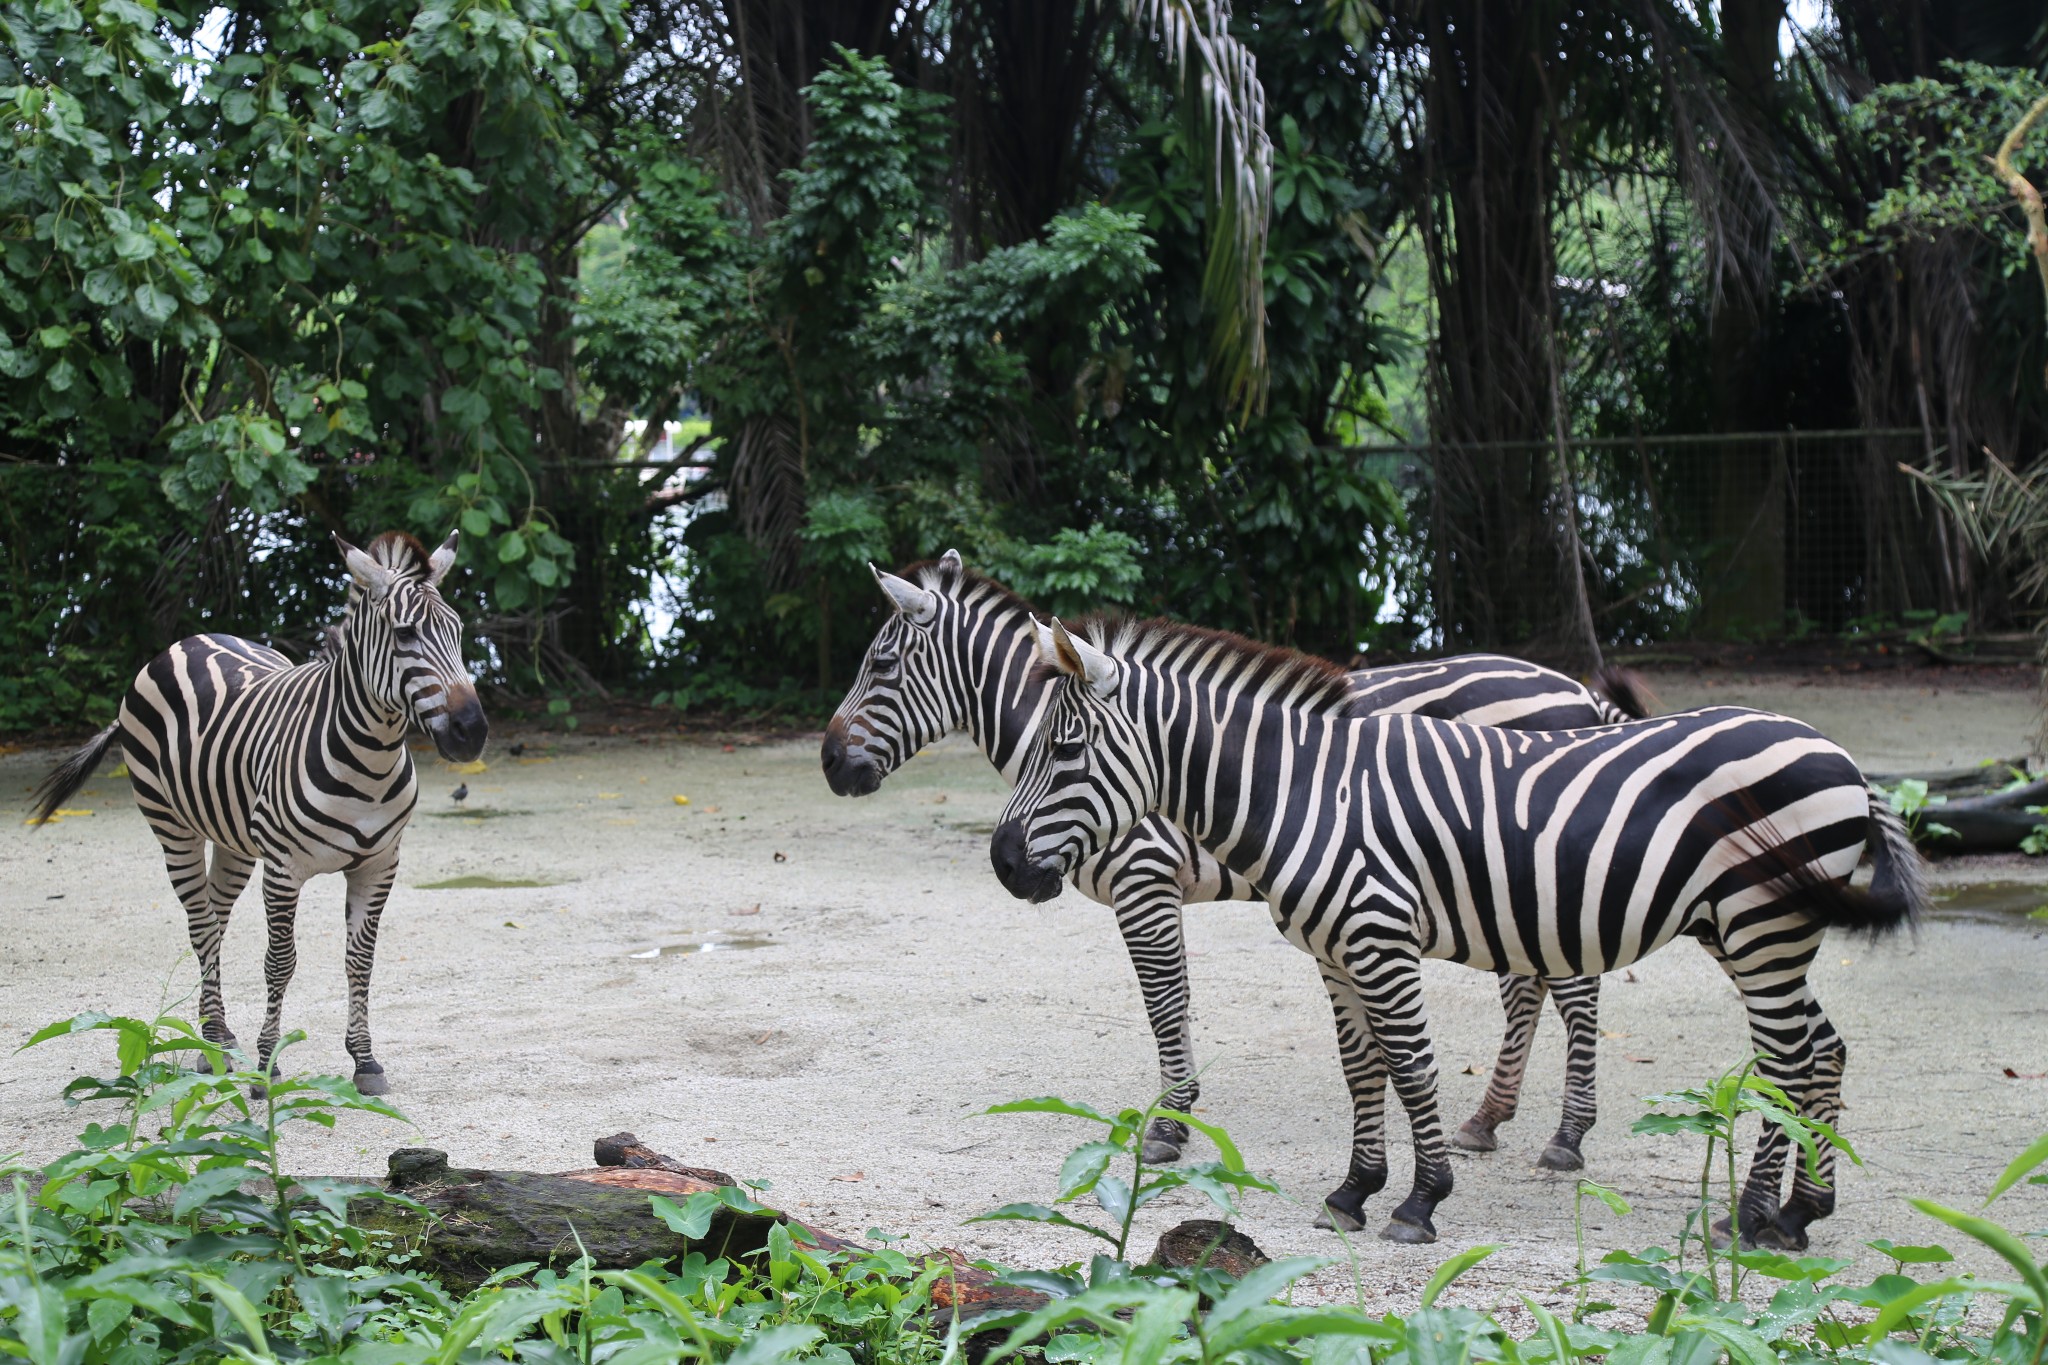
(1106, 295)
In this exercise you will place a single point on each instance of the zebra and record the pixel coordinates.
(1380, 840)
(958, 652)
(304, 768)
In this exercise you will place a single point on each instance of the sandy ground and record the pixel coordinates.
(872, 989)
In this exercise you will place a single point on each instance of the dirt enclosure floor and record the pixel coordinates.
(826, 993)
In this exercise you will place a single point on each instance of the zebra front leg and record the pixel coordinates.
(368, 889)
(280, 957)
(1578, 1003)
(1148, 915)
(1365, 1075)
(1389, 982)
(1521, 998)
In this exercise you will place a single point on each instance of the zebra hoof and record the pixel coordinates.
(1780, 1236)
(1335, 1217)
(372, 1082)
(1558, 1157)
(1474, 1136)
(1749, 1236)
(1407, 1233)
(1160, 1152)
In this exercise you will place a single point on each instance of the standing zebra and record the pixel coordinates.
(1381, 840)
(303, 767)
(960, 651)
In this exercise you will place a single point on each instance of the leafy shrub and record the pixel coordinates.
(173, 1233)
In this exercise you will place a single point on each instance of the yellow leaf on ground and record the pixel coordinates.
(120, 770)
(55, 816)
(474, 766)
(607, 796)
(682, 800)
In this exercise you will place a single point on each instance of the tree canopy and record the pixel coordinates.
(1105, 296)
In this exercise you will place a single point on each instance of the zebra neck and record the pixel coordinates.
(998, 654)
(1226, 764)
(357, 719)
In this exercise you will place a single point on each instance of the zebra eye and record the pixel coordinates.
(406, 635)
(885, 664)
(1068, 751)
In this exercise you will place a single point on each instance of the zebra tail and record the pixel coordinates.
(68, 776)
(1625, 690)
(1897, 894)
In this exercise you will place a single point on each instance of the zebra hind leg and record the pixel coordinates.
(1578, 1002)
(1779, 1001)
(208, 894)
(1365, 1073)
(1521, 998)
(1813, 1192)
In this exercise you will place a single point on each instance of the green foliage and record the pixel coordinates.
(173, 1233)
(1942, 131)
(1911, 800)
(1712, 1113)
(294, 272)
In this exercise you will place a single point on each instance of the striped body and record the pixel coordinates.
(962, 651)
(1381, 840)
(212, 734)
(302, 768)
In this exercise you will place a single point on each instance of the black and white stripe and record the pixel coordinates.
(303, 768)
(1381, 840)
(960, 652)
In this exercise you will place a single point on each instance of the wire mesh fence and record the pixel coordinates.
(1743, 535)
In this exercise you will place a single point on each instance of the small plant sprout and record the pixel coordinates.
(1086, 1171)
(1712, 1112)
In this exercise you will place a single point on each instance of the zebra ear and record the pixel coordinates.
(919, 604)
(373, 578)
(442, 560)
(952, 563)
(1048, 651)
(1084, 661)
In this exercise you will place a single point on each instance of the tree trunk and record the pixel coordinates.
(1496, 536)
(1744, 591)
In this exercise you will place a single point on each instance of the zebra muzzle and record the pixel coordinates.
(849, 772)
(1023, 876)
(462, 731)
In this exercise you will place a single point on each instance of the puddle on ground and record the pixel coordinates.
(480, 813)
(1993, 902)
(690, 947)
(477, 882)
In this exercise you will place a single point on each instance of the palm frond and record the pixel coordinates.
(1221, 95)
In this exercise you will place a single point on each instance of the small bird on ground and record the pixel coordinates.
(517, 750)
(461, 793)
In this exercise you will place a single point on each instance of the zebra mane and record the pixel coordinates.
(963, 584)
(1173, 645)
(400, 552)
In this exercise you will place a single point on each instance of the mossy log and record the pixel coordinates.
(477, 1222)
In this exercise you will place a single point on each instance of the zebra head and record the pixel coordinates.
(901, 700)
(406, 642)
(1086, 780)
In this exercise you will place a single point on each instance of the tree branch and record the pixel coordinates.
(2024, 191)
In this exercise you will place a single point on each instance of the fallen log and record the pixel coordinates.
(1975, 780)
(1971, 828)
(473, 1223)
